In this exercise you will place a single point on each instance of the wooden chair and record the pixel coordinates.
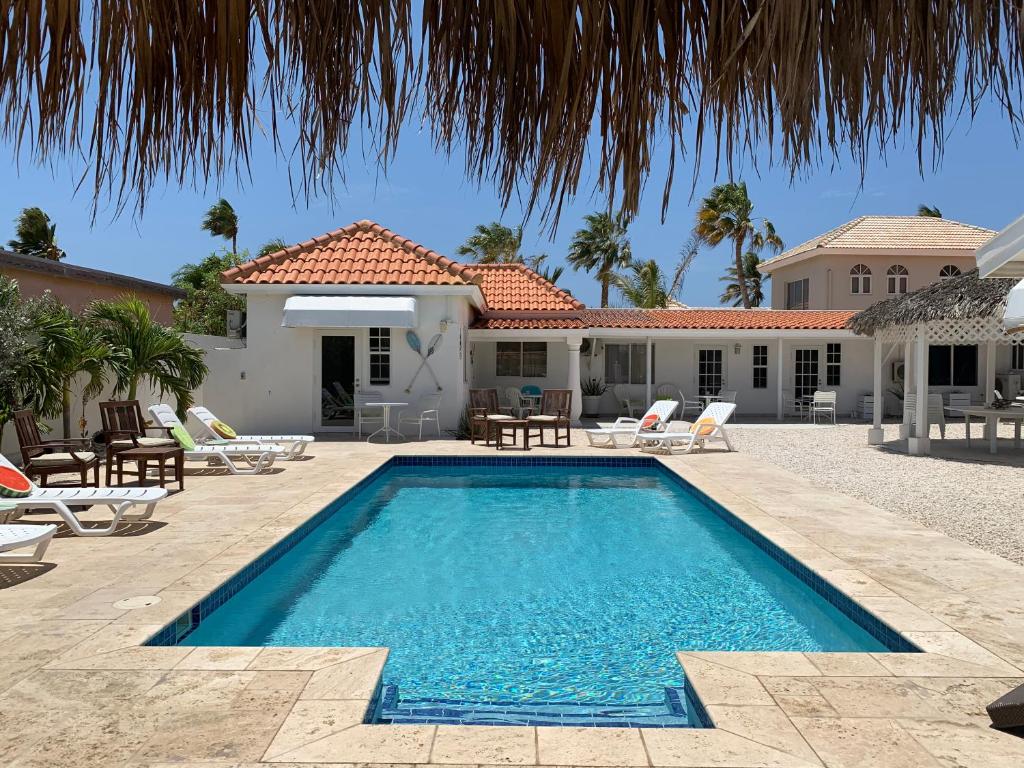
(124, 428)
(483, 411)
(555, 414)
(54, 457)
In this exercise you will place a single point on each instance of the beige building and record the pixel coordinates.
(869, 259)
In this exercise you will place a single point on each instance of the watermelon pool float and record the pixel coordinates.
(13, 484)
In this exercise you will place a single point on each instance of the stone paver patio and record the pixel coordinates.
(77, 689)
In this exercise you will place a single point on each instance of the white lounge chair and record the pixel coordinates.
(18, 536)
(622, 434)
(255, 456)
(60, 501)
(710, 425)
(294, 445)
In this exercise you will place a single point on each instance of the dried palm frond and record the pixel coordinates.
(181, 89)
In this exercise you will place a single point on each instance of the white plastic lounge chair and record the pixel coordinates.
(18, 536)
(294, 445)
(256, 456)
(60, 501)
(622, 434)
(710, 425)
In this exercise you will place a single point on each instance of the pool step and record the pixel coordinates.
(670, 713)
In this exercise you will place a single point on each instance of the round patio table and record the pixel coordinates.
(709, 399)
(386, 429)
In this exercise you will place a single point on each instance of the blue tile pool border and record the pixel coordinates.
(185, 623)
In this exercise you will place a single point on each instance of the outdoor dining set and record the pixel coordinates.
(527, 415)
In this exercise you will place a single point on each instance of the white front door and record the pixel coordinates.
(806, 371)
(710, 370)
(337, 377)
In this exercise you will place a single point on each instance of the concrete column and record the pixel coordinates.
(875, 435)
(990, 373)
(918, 444)
(650, 371)
(574, 379)
(780, 380)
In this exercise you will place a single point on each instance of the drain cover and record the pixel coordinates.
(142, 601)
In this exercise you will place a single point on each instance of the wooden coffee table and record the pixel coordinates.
(161, 455)
(507, 428)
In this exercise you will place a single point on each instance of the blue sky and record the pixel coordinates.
(427, 198)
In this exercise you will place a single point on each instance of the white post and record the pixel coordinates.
(908, 385)
(990, 373)
(779, 381)
(875, 434)
(574, 378)
(918, 444)
(650, 371)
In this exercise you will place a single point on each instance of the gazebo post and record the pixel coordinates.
(990, 372)
(875, 434)
(917, 445)
(908, 385)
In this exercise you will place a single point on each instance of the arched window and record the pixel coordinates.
(898, 278)
(860, 279)
(950, 270)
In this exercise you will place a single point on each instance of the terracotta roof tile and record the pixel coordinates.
(682, 319)
(517, 288)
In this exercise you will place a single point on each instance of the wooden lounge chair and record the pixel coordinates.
(484, 410)
(124, 428)
(43, 458)
(555, 414)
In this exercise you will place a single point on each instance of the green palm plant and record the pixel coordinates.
(34, 235)
(751, 277)
(222, 221)
(493, 243)
(271, 246)
(538, 264)
(930, 211)
(727, 214)
(643, 286)
(601, 245)
(143, 350)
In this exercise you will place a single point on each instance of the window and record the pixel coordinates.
(380, 356)
(760, 366)
(797, 293)
(860, 279)
(833, 363)
(955, 366)
(950, 270)
(898, 278)
(626, 363)
(1017, 357)
(527, 359)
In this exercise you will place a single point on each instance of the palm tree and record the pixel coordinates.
(751, 278)
(929, 210)
(271, 246)
(537, 264)
(222, 221)
(141, 349)
(601, 245)
(643, 286)
(727, 214)
(35, 235)
(687, 255)
(493, 243)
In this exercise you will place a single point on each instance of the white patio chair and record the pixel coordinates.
(866, 407)
(793, 406)
(665, 391)
(627, 403)
(958, 400)
(687, 405)
(824, 405)
(60, 500)
(709, 426)
(727, 395)
(255, 456)
(516, 404)
(936, 413)
(365, 411)
(294, 445)
(622, 434)
(427, 410)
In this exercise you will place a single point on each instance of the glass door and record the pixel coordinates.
(338, 382)
(710, 371)
(805, 372)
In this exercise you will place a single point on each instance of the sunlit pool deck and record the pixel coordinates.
(78, 688)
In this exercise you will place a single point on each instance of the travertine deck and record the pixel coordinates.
(76, 688)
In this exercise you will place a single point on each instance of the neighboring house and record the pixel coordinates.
(76, 286)
(871, 258)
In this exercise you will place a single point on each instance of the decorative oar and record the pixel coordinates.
(432, 347)
(414, 342)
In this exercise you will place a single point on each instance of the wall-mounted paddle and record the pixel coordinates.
(432, 347)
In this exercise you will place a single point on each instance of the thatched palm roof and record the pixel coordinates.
(183, 89)
(962, 297)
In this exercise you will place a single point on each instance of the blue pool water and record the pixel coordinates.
(532, 586)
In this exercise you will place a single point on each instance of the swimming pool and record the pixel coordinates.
(526, 591)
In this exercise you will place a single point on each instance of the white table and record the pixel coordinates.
(386, 429)
(709, 399)
(992, 417)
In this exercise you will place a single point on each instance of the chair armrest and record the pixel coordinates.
(478, 413)
(166, 430)
(121, 434)
(626, 421)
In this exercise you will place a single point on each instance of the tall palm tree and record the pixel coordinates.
(34, 235)
(929, 210)
(751, 278)
(643, 286)
(222, 221)
(687, 255)
(493, 243)
(727, 214)
(601, 245)
(141, 350)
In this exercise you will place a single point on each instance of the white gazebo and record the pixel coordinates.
(957, 310)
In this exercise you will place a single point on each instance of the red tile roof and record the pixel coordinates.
(682, 319)
(517, 288)
(363, 253)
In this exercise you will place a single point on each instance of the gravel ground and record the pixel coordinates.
(975, 501)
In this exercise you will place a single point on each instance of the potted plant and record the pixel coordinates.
(592, 391)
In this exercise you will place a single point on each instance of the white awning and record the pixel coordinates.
(349, 312)
(1003, 255)
(1013, 315)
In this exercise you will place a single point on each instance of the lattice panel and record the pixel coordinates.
(976, 330)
